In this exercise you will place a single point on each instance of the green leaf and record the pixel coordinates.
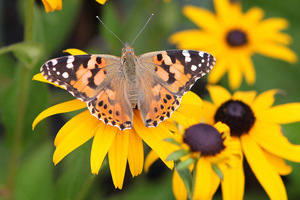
(27, 53)
(218, 171)
(35, 175)
(176, 155)
(186, 177)
(172, 140)
(185, 164)
(76, 176)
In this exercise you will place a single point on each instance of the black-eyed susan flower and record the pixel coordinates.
(255, 123)
(121, 146)
(233, 37)
(208, 151)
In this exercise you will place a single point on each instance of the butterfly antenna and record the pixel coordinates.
(142, 29)
(109, 30)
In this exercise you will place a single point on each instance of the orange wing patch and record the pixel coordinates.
(106, 108)
(161, 107)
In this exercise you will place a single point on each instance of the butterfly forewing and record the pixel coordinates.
(180, 69)
(81, 75)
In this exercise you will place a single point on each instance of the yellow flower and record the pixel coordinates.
(233, 37)
(121, 146)
(255, 123)
(101, 1)
(208, 147)
(52, 5)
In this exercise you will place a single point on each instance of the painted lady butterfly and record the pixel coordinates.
(112, 86)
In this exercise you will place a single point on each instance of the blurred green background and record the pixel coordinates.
(76, 26)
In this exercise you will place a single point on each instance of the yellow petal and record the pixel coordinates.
(196, 15)
(272, 24)
(228, 13)
(270, 137)
(154, 137)
(248, 68)
(150, 159)
(253, 16)
(74, 51)
(235, 74)
(233, 184)
(278, 163)
(189, 103)
(218, 71)
(101, 1)
(218, 94)
(52, 5)
(41, 78)
(264, 172)
(103, 139)
(135, 153)
(265, 100)
(206, 180)
(178, 186)
(278, 51)
(117, 156)
(70, 125)
(209, 112)
(59, 108)
(77, 136)
(192, 39)
(247, 97)
(282, 114)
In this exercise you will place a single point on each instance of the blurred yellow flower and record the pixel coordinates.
(233, 37)
(121, 146)
(255, 123)
(52, 5)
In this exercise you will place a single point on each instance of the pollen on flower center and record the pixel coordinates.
(237, 115)
(236, 38)
(205, 139)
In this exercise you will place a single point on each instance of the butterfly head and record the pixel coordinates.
(127, 49)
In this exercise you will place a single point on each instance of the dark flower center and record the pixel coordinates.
(205, 139)
(237, 115)
(236, 38)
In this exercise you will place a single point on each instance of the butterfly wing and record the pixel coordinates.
(170, 75)
(96, 80)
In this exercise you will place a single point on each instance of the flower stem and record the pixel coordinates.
(23, 79)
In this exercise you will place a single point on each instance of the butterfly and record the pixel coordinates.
(112, 86)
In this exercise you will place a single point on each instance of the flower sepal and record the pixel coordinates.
(176, 155)
(218, 171)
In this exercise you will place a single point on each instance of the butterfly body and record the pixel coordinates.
(112, 86)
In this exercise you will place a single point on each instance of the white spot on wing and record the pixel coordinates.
(201, 53)
(58, 73)
(194, 67)
(54, 62)
(187, 55)
(70, 59)
(65, 75)
(54, 68)
(70, 65)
